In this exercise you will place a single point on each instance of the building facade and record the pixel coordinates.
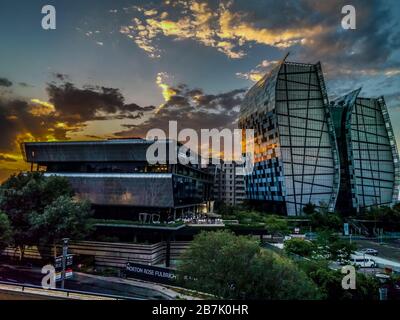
(296, 156)
(368, 152)
(115, 176)
(340, 155)
(229, 186)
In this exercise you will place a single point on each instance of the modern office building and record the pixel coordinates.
(118, 180)
(296, 156)
(229, 186)
(368, 153)
(341, 155)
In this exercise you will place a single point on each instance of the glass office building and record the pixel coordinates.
(296, 156)
(117, 179)
(369, 157)
(340, 155)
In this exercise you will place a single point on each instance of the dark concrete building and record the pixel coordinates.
(118, 180)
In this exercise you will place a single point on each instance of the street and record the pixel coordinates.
(390, 251)
(23, 275)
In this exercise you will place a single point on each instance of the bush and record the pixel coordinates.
(300, 247)
(235, 267)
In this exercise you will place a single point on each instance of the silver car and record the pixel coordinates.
(370, 251)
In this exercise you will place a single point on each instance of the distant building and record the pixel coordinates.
(296, 157)
(368, 153)
(117, 179)
(229, 187)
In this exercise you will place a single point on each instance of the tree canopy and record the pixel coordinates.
(5, 231)
(300, 247)
(330, 282)
(31, 201)
(62, 218)
(235, 267)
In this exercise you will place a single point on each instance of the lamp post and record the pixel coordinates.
(64, 261)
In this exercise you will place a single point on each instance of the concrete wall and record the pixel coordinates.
(108, 254)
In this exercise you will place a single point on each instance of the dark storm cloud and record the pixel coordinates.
(5, 82)
(77, 105)
(134, 107)
(73, 108)
(17, 123)
(369, 46)
(192, 109)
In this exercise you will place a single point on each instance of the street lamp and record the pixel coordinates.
(64, 260)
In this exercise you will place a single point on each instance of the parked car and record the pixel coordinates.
(369, 251)
(362, 262)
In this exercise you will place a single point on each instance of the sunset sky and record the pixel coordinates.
(119, 68)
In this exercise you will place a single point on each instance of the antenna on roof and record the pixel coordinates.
(287, 55)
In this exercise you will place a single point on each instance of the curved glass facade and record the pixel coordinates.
(368, 150)
(296, 158)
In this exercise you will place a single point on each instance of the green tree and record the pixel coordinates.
(19, 198)
(235, 267)
(330, 282)
(330, 246)
(388, 218)
(63, 218)
(309, 208)
(276, 225)
(300, 247)
(321, 221)
(26, 195)
(5, 231)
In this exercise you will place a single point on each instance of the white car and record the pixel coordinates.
(363, 262)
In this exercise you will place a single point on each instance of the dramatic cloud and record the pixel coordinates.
(213, 25)
(68, 110)
(75, 106)
(310, 28)
(5, 82)
(191, 108)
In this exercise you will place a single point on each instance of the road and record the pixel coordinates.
(390, 251)
(29, 276)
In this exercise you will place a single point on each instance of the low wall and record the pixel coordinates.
(108, 254)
